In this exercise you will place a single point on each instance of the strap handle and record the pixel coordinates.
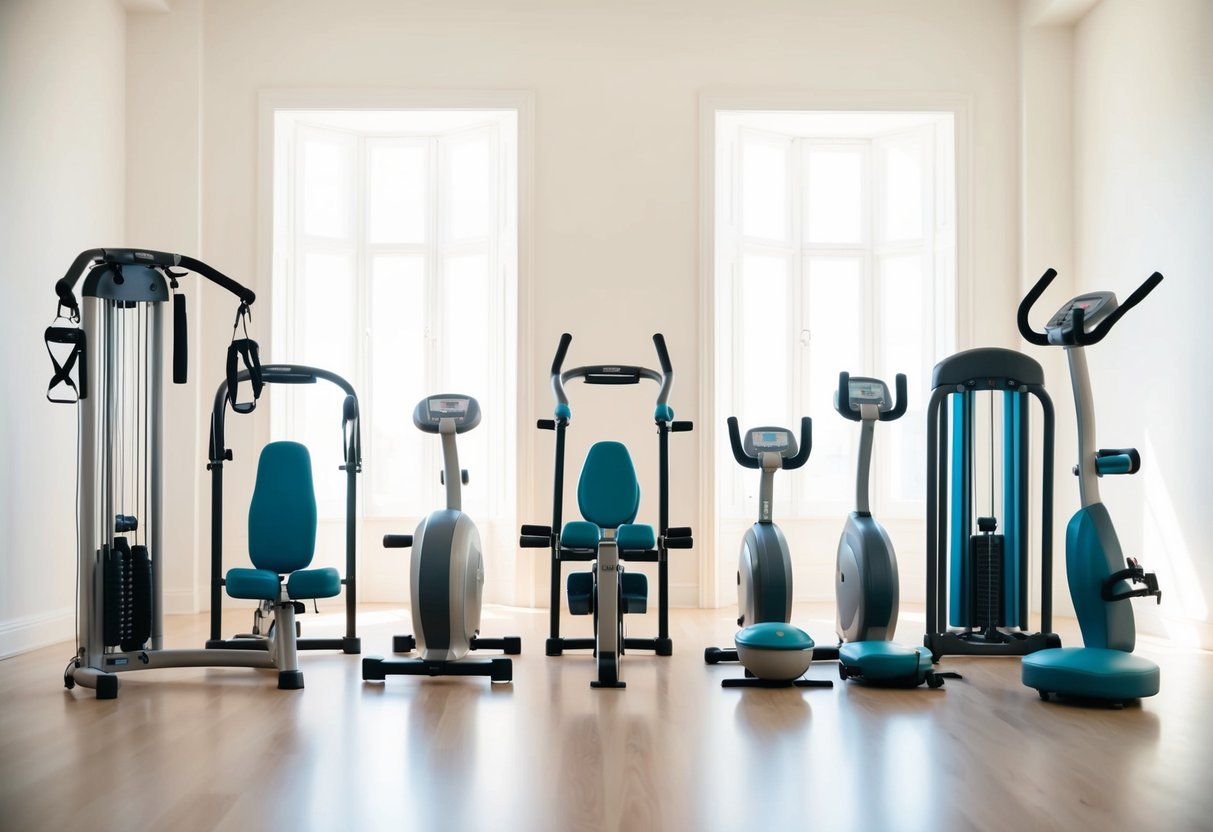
(63, 372)
(247, 349)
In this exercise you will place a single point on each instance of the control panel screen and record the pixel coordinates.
(769, 439)
(1092, 307)
(448, 407)
(868, 392)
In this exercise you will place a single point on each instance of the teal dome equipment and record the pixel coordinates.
(774, 651)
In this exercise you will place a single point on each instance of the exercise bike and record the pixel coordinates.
(1099, 574)
(446, 570)
(774, 652)
(865, 582)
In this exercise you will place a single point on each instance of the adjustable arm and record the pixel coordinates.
(806, 445)
(900, 402)
(739, 454)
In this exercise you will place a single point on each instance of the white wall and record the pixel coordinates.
(62, 91)
(1143, 75)
(616, 186)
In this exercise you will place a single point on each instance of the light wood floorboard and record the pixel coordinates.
(223, 749)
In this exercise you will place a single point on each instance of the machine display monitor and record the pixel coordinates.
(448, 407)
(868, 391)
(769, 439)
(1094, 307)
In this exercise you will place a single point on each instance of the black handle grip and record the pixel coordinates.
(677, 531)
(679, 543)
(1096, 335)
(561, 350)
(536, 531)
(546, 424)
(739, 454)
(900, 402)
(681, 427)
(1030, 335)
(397, 541)
(806, 445)
(663, 355)
(530, 541)
(843, 402)
(180, 341)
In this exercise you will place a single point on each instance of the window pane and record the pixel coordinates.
(903, 171)
(834, 315)
(397, 188)
(764, 190)
(904, 306)
(469, 175)
(326, 189)
(397, 383)
(765, 344)
(467, 350)
(834, 211)
(326, 305)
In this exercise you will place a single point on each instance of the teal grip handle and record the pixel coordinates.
(1116, 464)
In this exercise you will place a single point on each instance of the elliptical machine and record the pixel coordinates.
(446, 570)
(1099, 574)
(774, 652)
(865, 581)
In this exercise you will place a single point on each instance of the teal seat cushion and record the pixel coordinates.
(282, 514)
(314, 583)
(884, 661)
(636, 537)
(579, 534)
(258, 584)
(607, 492)
(1095, 672)
(773, 635)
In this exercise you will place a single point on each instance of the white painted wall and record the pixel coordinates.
(62, 93)
(616, 184)
(1143, 94)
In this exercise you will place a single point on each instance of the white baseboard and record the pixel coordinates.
(20, 635)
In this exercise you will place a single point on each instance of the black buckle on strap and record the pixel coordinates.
(63, 372)
(1134, 574)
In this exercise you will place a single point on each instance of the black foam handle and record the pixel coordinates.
(806, 445)
(1030, 335)
(678, 531)
(663, 355)
(561, 350)
(536, 531)
(900, 402)
(181, 354)
(739, 454)
(1096, 335)
(397, 541)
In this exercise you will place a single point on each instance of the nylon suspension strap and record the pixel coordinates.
(78, 354)
(245, 349)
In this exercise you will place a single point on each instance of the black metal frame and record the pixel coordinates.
(986, 370)
(677, 537)
(218, 453)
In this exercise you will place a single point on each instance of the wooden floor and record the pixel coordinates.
(224, 749)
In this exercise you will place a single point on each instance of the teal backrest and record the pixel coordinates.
(1093, 553)
(282, 514)
(607, 492)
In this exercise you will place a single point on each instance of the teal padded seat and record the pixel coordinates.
(580, 534)
(282, 530)
(254, 584)
(885, 663)
(636, 537)
(314, 583)
(774, 635)
(1090, 672)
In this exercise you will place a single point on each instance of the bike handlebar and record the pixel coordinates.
(1078, 336)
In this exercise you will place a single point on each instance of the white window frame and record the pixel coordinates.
(507, 579)
(716, 573)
